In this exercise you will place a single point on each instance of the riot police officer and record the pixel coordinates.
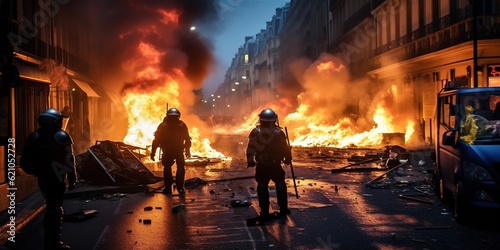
(267, 149)
(48, 154)
(172, 136)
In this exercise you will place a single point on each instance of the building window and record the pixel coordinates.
(246, 58)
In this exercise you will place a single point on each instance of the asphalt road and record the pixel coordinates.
(334, 211)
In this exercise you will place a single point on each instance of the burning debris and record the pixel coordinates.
(196, 160)
(359, 159)
(166, 68)
(114, 163)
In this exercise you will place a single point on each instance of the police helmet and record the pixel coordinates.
(173, 112)
(51, 117)
(267, 115)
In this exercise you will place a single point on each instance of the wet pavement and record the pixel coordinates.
(335, 210)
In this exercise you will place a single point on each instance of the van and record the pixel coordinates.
(467, 150)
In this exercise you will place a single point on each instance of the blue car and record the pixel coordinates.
(468, 150)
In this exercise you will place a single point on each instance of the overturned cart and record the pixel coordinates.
(114, 163)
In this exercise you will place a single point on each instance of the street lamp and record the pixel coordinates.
(248, 84)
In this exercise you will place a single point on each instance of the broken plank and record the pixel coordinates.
(390, 170)
(415, 199)
(433, 227)
(343, 170)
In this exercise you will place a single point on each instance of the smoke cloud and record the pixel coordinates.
(120, 26)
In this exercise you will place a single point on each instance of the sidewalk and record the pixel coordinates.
(33, 205)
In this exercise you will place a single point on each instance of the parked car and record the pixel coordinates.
(468, 150)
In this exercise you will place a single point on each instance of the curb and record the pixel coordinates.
(23, 217)
(37, 205)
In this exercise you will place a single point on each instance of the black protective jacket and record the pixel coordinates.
(268, 146)
(172, 135)
(48, 154)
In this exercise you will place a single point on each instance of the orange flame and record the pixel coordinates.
(319, 120)
(314, 123)
(146, 110)
(344, 133)
(146, 99)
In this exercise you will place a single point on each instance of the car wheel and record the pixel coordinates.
(460, 208)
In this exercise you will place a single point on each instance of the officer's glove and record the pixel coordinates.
(287, 161)
(152, 157)
(251, 164)
(188, 153)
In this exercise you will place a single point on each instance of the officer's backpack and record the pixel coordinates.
(28, 160)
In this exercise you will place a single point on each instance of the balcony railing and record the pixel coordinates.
(450, 30)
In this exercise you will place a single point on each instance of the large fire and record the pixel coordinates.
(153, 90)
(343, 134)
(319, 120)
(146, 109)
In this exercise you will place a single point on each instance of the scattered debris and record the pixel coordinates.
(80, 216)
(148, 208)
(385, 173)
(179, 207)
(358, 159)
(418, 240)
(194, 182)
(232, 179)
(197, 161)
(239, 203)
(112, 163)
(359, 169)
(433, 227)
(146, 221)
(407, 197)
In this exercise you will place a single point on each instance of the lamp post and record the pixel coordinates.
(236, 96)
(474, 37)
(249, 88)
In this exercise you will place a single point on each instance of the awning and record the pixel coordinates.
(32, 74)
(85, 87)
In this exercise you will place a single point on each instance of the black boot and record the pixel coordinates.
(282, 196)
(179, 178)
(167, 190)
(263, 196)
(52, 223)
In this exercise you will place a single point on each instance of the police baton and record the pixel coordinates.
(291, 165)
